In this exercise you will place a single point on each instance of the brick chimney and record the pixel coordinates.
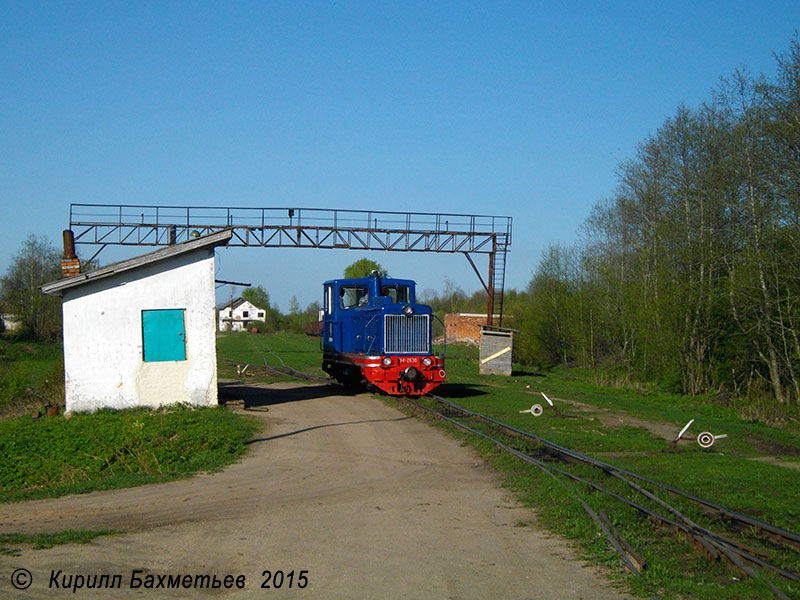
(70, 265)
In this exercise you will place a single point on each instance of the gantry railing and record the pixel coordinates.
(150, 225)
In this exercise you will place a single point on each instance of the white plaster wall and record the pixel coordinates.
(103, 337)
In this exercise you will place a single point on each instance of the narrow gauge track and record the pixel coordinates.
(742, 557)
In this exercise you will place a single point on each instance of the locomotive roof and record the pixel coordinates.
(366, 280)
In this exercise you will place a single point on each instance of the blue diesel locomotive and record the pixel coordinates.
(374, 332)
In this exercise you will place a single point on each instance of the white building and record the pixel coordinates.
(9, 322)
(234, 314)
(141, 332)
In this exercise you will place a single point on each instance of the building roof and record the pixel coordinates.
(57, 288)
(232, 304)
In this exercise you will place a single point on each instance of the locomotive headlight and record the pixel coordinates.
(408, 310)
(427, 361)
(387, 362)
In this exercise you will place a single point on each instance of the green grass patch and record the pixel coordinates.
(31, 373)
(298, 351)
(116, 448)
(40, 541)
(34, 359)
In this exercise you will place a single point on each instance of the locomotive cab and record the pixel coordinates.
(373, 331)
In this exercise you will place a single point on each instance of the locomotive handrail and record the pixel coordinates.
(366, 327)
(336, 324)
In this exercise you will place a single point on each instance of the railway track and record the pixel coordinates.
(645, 495)
(745, 558)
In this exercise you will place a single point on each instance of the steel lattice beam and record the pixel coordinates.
(146, 225)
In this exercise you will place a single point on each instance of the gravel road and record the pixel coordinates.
(350, 496)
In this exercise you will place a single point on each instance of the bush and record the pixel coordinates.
(259, 326)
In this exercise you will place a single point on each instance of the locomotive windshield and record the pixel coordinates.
(353, 295)
(398, 293)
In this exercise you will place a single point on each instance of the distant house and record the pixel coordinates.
(141, 332)
(234, 315)
(8, 321)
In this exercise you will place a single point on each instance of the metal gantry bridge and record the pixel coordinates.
(143, 225)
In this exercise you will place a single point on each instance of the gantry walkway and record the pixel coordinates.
(147, 225)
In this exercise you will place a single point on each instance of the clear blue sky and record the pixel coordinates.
(511, 108)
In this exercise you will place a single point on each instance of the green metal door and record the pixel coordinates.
(163, 335)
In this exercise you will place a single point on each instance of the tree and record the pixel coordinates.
(35, 264)
(257, 296)
(687, 276)
(295, 319)
(364, 267)
(454, 296)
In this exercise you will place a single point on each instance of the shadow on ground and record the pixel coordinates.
(254, 395)
(458, 390)
(305, 429)
(524, 373)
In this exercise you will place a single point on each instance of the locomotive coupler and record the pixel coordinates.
(410, 374)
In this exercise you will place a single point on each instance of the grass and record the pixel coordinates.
(745, 438)
(109, 449)
(618, 426)
(41, 541)
(300, 352)
(35, 360)
(115, 448)
(31, 375)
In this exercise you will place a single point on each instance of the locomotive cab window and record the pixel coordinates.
(328, 299)
(353, 295)
(398, 293)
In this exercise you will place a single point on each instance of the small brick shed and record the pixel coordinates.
(464, 327)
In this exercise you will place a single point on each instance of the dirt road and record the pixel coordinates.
(357, 499)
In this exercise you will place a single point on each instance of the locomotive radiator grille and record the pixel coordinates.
(406, 334)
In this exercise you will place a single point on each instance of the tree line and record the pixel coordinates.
(688, 274)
